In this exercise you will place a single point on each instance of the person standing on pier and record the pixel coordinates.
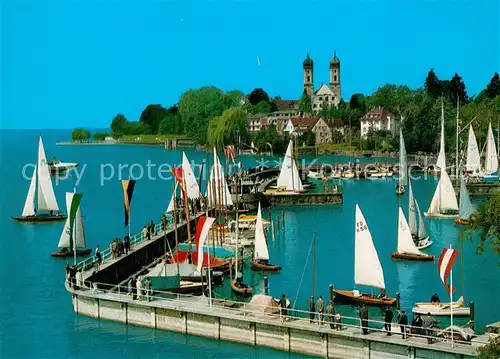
(330, 313)
(389, 315)
(163, 222)
(138, 285)
(363, 315)
(312, 309)
(147, 286)
(151, 229)
(130, 286)
(428, 322)
(79, 279)
(144, 233)
(126, 243)
(283, 306)
(99, 257)
(403, 322)
(319, 308)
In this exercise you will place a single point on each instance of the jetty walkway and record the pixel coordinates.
(102, 297)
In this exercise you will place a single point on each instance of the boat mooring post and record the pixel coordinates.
(266, 286)
(331, 293)
(472, 315)
(398, 301)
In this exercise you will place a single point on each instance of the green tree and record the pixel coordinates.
(171, 124)
(270, 135)
(358, 102)
(119, 124)
(100, 136)
(305, 105)
(258, 95)
(80, 134)
(457, 90)
(227, 128)
(491, 350)
(152, 115)
(493, 88)
(263, 107)
(310, 138)
(433, 85)
(234, 98)
(486, 220)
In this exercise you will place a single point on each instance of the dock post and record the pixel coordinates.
(330, 291)
(283, 218)
(398, 301)
(472, 315)
(266, 286)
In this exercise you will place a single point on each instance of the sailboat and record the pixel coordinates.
(77, 238)
(444, 202)
(466, 208)
(419, 234)
(473, 164)
(41, 189)
(491, 160)
(289, 181)
(261, 253)
(367, 268)
(403, 166)
(406, 248)
(219, 195)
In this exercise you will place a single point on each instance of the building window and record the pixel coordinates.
(314, 106)
(335, 78)
(308, 78)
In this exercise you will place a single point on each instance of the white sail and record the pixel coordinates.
(203, 236)
(403, 165)
(466, 207)
(193, 190)
(78, 229)
(29, 205)
(46, 197)
(260, 251)
(367, 268)
(444, 198)
(441, 161)
(289, 177)
(491, 161)
(422, 233)
(217, 189)
(412, 214)
(405, 240)
(473, 158)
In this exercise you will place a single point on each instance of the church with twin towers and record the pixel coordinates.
(324, 96)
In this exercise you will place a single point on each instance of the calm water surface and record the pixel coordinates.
(37, 320)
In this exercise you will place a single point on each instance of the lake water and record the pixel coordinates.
(37, 320)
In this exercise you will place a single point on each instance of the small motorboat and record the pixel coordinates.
(314, 174)
(240, 288)
(423, 243)
(69, 253)
(42, 217)
(463, 222)
(349, 174)
(354, 296)
(56, 167)
(442, 309)
(258, 265)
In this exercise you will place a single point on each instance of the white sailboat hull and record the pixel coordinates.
(424, 243)
(441, 309)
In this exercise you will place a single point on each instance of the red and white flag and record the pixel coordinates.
(229, 152)
(202, 227)
(445, 264)
(179, 176)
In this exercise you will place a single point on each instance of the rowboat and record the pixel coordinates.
(362, 298)
(240, 288)
(265, 267)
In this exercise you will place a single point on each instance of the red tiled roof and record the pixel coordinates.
(287, 104)
(376, 114)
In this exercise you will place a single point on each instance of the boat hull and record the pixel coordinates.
(79, 252)
(440, 215)
(463, 222)
(441, 309)
(423, 243)
(40, 218)
(412, 257)
(240, 290)
(369, 299)
(265, 267)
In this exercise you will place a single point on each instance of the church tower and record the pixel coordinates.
(308, 67)
(335, 76)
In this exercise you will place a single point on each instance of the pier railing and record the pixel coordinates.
(107, 253)
(296, 317)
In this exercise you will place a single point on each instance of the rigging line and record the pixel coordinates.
(303, 272)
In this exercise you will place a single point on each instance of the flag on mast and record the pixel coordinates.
(202, 228)
(229, 152)
(445, 265)
(128, 191)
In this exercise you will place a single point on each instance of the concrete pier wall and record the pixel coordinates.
(222, 324)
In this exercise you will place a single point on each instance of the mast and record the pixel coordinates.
(208, 269)
(451, 302)
(74, 234)
(175, 231)
(314, 265)
(457, 144)
(237, 220)
(186, 210)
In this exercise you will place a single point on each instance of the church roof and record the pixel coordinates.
(308, 62)
(324, 90)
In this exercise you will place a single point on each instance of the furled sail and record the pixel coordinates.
(466, 207)
(403, 164)
(367, 268)
(217, 189)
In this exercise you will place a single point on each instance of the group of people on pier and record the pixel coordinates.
(140, 288)
(316, 310)
(74, 277)
(119, 247)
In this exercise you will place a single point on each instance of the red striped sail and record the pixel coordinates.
(445, 264)
(179, 176)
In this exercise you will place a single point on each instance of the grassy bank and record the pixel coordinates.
(150, 139)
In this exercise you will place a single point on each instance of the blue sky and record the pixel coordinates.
(79, 62)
